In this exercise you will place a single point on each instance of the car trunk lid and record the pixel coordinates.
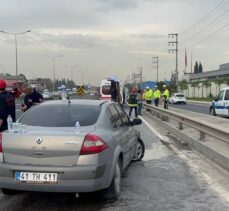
(42, 146)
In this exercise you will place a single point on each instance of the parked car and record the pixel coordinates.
(53, 156)
(177, 98)
(220, 106)
(47, 95)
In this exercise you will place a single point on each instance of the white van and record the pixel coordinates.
(220, 106)
(105, 89)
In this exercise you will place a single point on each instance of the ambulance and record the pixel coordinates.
(105, 89)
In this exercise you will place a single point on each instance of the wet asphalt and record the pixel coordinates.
(162, 181)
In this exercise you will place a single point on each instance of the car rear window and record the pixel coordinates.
(106, 90)
(180, 95)
(61, 115)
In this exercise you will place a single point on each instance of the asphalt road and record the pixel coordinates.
(164, 180)
(200, 108)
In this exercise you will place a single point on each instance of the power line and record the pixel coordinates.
(204, 17)
(206, 38)
(206, 27)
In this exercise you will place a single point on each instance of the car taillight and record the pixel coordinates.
(0, 142)
(92, 144)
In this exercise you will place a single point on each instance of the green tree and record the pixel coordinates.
(194, 85)
(206, 84)
(219, 81)
(183, 85)
(196, 68)
(200, 69)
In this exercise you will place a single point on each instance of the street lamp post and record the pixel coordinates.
(82, 76)
(72, 69)
(54, 73)
(15, 37)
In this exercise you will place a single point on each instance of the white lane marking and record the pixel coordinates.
(161, 137)
(211, 181)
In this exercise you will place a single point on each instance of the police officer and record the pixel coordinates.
(165, 96)
(148, 95)
(157, 95)
(32, 97)
(7, 106)
(133, 102)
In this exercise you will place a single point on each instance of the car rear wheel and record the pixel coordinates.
(140, 151)
(113, 191)
(212, 112)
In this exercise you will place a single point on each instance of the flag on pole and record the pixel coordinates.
(185, 60)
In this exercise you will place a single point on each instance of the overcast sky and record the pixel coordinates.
(111, 37)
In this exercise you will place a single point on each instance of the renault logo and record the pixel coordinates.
(39, 140)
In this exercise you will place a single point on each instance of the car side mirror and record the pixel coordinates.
(216, 99)
(136, 122)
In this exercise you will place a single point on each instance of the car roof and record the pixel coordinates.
(76, 102)
(225, 88)
(178, 93)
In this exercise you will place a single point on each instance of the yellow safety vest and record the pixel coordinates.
(157, 94)
(166, 94)
(149, 95)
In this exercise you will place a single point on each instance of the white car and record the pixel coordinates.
(177, 98)
(220, 106)
(47, 95)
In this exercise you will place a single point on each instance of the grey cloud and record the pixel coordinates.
(147, 36)
(78, 41)
(107, 5)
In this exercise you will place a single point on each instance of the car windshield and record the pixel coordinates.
(180, 95)
(61, 115)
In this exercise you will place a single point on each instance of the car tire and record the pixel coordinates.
(113, 191)
(212, 112)
(140, 151)
(9, 192)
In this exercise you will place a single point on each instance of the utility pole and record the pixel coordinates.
(155, 62)
(140, 68)
(172, 49)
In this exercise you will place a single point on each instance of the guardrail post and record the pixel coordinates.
(202, 135)
(181, 126)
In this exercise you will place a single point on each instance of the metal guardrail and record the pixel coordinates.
(203, 127)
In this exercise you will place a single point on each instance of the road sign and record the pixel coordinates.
(80, 91)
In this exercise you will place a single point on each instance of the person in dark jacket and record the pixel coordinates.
(7, 106)
(31, 97)
(133, 102)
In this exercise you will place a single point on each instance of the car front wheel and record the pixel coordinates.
(140, 151)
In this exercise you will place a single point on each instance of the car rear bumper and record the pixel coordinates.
(179, 101)
(70, 179)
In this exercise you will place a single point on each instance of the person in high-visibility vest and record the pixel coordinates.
(166, 96)
(157, 95)
(133, 102)
(148, 95)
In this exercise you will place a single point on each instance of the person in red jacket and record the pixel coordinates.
(7, 106)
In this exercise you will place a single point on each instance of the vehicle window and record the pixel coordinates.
(123, 115)
(221, 94)
(106, 90)
(61, 115)
(116, 116)
(111, 118)
(226, 95)
(180, 95)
